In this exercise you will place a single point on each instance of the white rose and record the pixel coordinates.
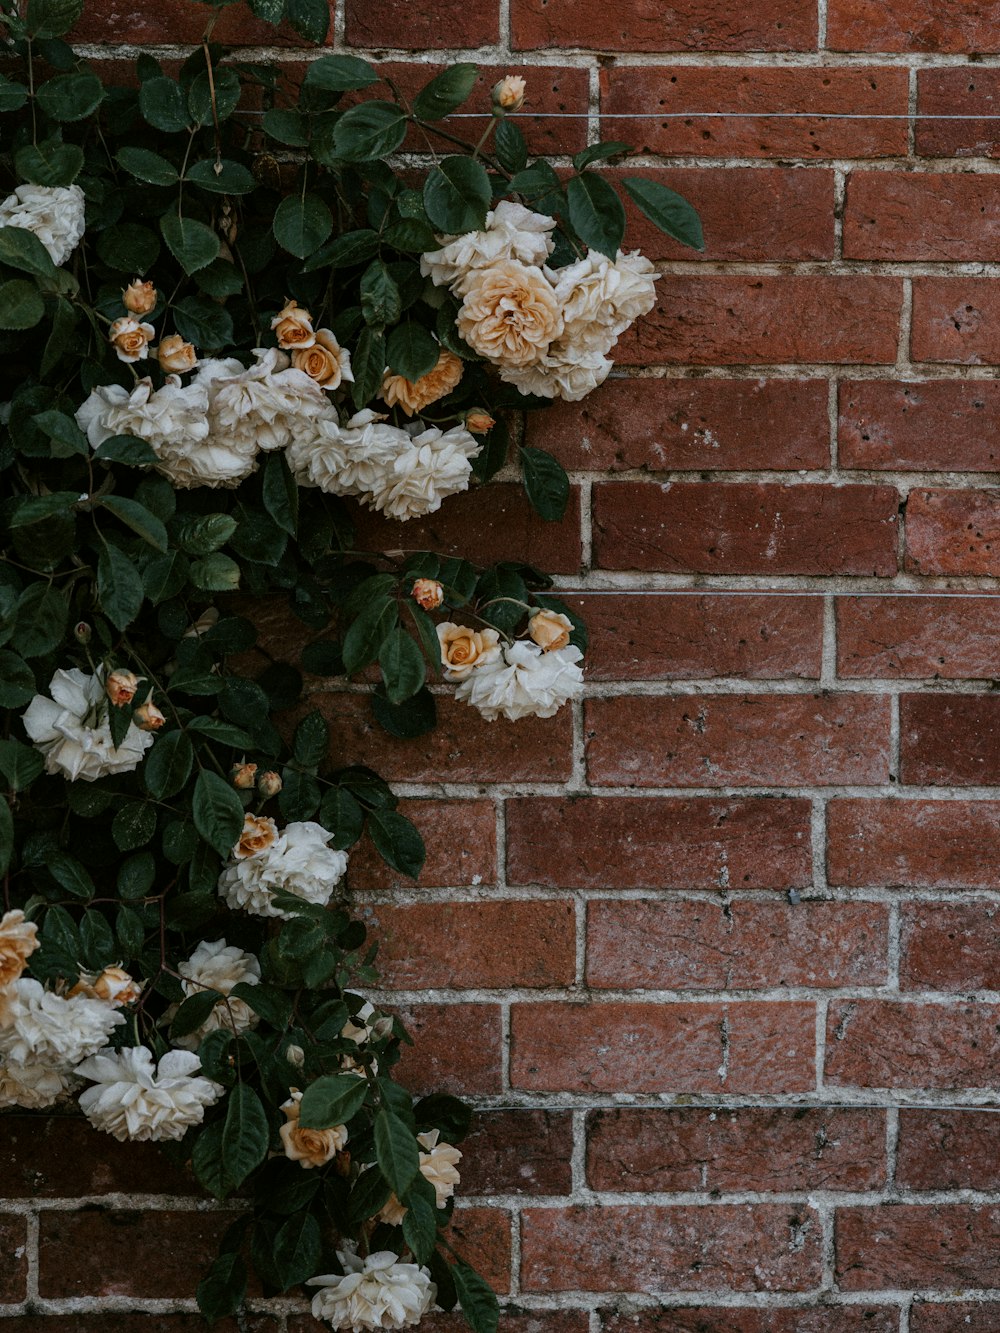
(219, 966)
(512, 232)
(18, 941)
(596, 291)
(54, 213)
(561, 373)
(32, 1086)
(298, 862)
(133, 1100)
(346, 460)
(432, 465)
(375, 1292)
(72, 732)
(438, 1163)
(39, 1027)
(524, 682)
(267, 406)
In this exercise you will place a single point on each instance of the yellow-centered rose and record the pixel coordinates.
(510, 314)
(325, 360)
(293, 327)
(463, 649)
(130, 339)
(414, 395)
(175, 355)
(550, 630)
(139, 297)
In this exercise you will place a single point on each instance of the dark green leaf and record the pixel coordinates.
(222, 1289)
(119, 587)
(168, 764)
(21, 304)
(339, 74)
(163, 106)
(191, 243)
(370, 1194)
(363, 641)
(381, 303)
(397, 841)
(133, 825)
(70, 875)
(411, 351)
(599, 152)
(457, 194)
(130, 931)
(63, 325)
(165, 576)
(20, 248)
(370, 131)
(402, 666)
(42, 613)
(301, 225)
(139, 519)
(396, 1150)
(546, 483)
(287, 126)
(17, 681)
(6, 835)
(281, 493)
(413, 717)
(446, 91)
(368, 366)
(218, 813)
(596, 213)
(49, 163)
(216, 98)
(37, 508)
(233, 178)
(70, 96)
(412, 235)
(353, 247)
(509, 145)
(312, 740)
(420, 1226)
(12, 95)
(342, 816)
(446, 1113)
(223, 732)
(51, 18)
(128, 248)
(667, 210)
(479, 1303)
(297, 1249)
(145, 165)
(63, 430)
(126, 449)
(19, 764)
(203, 322)
(245, 1135)
(215, 573)
(309, 18)
(332, 1100)
(193, 1012)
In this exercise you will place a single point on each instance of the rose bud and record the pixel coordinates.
(147, 717)
(269, 784)
(82, 632)
(550, 630)
(175, 355)
(478, 421)
(295, 1055)
(508, 94)
(293, 327)
(139, 297)
(121, 687)
(427, 593)
(244, 775)
(130, 339)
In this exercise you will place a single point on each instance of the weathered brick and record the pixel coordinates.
(722, 740)
(512, 1320)
(946, 1317)
(690, 25)
(659, 842)
(482, 1237)
(749, 1149)
(955, 320)
(956, 98)
(681, 637)
(460, 837)
(726, 1319)
(456, 1048)
(737, 946)
(471, 945)
(948, 1150)
(688, 425)
(950, 946)
(447, 23)
(464, 747)
(910, 25)
(14, 1248)
(892, 1044)
(750, 1247)
(930, 426)
(953, 531)
(913, 844)
(518, 1152)
(921, 216)
(114, 1321)
(742, 1047)
(745, 95)
(934, 1247)
(61, 1157)
(759, 320)
(949, 739)
(745, 528)
(953, 638)
(174, 22)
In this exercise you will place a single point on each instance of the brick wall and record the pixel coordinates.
(718, 954)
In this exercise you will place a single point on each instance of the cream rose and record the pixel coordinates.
(139, 297)
(438, 1164)
(114, 986)
(479, 421)
(310, 1147)
(510, 314)
(130, 339)
(18, 941)
(175, 355)
(464, 649)
(325, 361)
(293, 327)
(414, 395)
(550, 630)
(259, 832)
(121, 687)
(427, 593)
(375, 1292)
(508, 94)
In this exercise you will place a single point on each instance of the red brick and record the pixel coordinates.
(891, 1044)
(745, 528)
(471, 945)
(740, 320)
(448, 23)
(55, 1157)
(739, 946)
(950, 947)
(485, 525)
(464, 747)
(967, 1316)
(174, 22)
(460, 837)
(689, 25)
(953, 638)
(722, 740)
(512, 1320)
(911, 25)
(953, 532)
(725, 1319)
(13, 1246)
(949, 739)
(956, 320)
(112, 1321)
(931, 426)
(674, 636)
(922, 216)
(948, 1150)
(481, 1236)
(914, 844)
(668, 425)
(456, 1048)
(116, 1252)
(746, 95)
(659, 842)
(518, 1152)
(645, 1048)
(756, 1247)
(750, 1149)
(934, 1247)
(965, 93)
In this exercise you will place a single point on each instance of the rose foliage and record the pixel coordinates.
(232, 316)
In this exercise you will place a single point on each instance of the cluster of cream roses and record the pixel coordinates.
(548, 331)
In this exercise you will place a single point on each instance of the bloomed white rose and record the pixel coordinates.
(298, 862)
(38, 1027)
(433, 465)
(267, 406)
(72, 732)
(219, 966)
(349, 459)
(374, 1292)
(54, 213)
(511, 232)
(563, 372)
(32, 1086)
(132, 1099)
(524, 682)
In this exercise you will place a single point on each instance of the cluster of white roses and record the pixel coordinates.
(375, 1292)
(54, 213)
(548, 331)
(265, 862)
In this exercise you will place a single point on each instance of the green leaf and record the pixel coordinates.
(70, 875)
(381, 302)
(420, 1226)
(165, 576)
(168, 764)
(599, 152)
(12, 95)
(297, 1250)
(301, 225)
(49, 163)
(133, 825)
(397, 841)
(667, 210)
(205, 323)
(130, 931)
(370, 131)
(163, 106)
(402, 666)
(21, 305)
(192, 1012)
(139, 519)
(223, 732)
(234, 178)
(446, 91)
(119, 586)
(218, 812)
(6, 835)
(64, 430)
(353, 247)
(281, 493)
(37, 508)
(42, 613)
(457, 194)
(17, 681)
(215, 573)
(287, 126)
(370, 1194)
(342, 816)
(596, 213)
(128, 248)
(20, 248)
(145, 165)
(71, 96)
(509, 146)
(478, 1300)
(51, 18)
(126, 449)
(411, 718)
(309, 18)
(215, 97)
(63, 326)
(222, 1289)
(546, 483)
(412, 235)
(363, 641)
(396, 1150)
(312, 740)
(191, 243)
(368, 365)
(411, 350)
(493, 454)
(20, 764)
(205, 533)
(332, 1100)
(339, 74)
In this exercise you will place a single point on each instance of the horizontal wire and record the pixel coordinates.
(768, 592)
(727, 115)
